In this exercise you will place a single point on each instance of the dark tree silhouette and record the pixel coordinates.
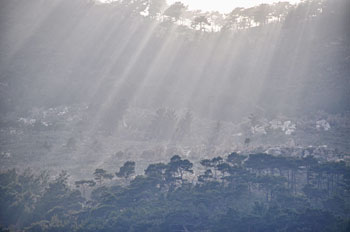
(175, 11)
(127, 170)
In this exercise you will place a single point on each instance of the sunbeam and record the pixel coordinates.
(169, 115)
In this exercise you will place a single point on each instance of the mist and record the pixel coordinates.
(88, 86)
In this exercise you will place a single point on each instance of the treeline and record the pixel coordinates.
(256, 192)
(295, 54)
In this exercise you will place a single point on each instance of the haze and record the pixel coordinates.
(225, 6)
(148, 116)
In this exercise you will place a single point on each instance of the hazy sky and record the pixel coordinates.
(225, 5)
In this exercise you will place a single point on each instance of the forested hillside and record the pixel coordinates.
(169, 119)
(255, 192)
(296, 64)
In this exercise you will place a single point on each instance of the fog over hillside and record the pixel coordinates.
(87, 86)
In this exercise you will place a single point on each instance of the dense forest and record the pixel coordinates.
(256, 192)
(89, 51)
(136, 115)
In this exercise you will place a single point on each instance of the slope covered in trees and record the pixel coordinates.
(256, 192)
(80, 79)
(291, 60)
(111, 92)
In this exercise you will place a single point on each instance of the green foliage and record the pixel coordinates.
(19, 194)
(57, 199)
(101, 174)
(176, 170)
(258, 192)
(127, 170)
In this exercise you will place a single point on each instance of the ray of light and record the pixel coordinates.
(252, 85)
(118, 84)
(82, 52)
(294, 67)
